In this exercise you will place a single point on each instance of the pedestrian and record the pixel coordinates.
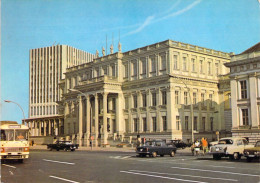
(204, 145)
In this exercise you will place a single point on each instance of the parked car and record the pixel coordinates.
(178, 143)
(156, 147)
(63, 145)
(232, 147)
(252, 153)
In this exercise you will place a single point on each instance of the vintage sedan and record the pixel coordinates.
(252, 153)
(232, 147)
(63, 145)
(178, 143)
(156, 147)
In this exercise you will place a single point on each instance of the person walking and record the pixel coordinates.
(204, 145)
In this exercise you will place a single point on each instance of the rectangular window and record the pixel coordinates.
(154, 124)
(203, 123)
(195, 123)
(209, 68)
(210, 100)
(176, 97)
(175, 62)
(243, 89)
(216, 69)
(245, 116)
(202, 99)
(153, 64)
(144, 125)
(135, 125)
(164, 120)
(135, 101)
(125, 73)
(201, 66)
(177, 122)
(144, 99)
(211, 124)
(126, 102)
(184, 61)
(134, 68)
(143, 66)
(154, 99)
(194, 98)
(193, 64)
(164, 98)
(186, 98)
(163, 62)
(186, 122)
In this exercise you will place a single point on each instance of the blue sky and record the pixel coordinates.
(224, 25)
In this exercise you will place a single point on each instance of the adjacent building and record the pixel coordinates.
(245, 93)
(47, 68)
(150, 92)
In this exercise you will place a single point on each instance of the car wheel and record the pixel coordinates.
(162, 155)
(20, 160)
(72, 150)
(172, 154)
(249, 159)
(236, 156)
(50, 149)
(57, 149)
(154, 154)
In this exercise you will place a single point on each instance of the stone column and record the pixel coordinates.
(234, 98)
(80, 121)
(139, 104)
(105, 117)
(88, 121)
(254, 113)
(158, 117)
(44, 128)
(49, 127)
(171, 119)
(149, 120)
(96, 119)
(120, 122)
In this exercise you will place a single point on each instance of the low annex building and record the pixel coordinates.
(148, 92)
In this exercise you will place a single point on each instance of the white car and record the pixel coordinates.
(231, 147)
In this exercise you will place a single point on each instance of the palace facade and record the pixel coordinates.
(152, 92)
(245, 92)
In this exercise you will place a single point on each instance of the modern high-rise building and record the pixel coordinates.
(47, 68)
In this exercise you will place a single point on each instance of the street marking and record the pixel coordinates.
(9, 166)
(221, 166)
(126, 157)
(184, 175)
(201, 170)
(67, 180)
(58, 162)
(157, 176)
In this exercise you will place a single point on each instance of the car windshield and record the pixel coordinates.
(257, 144)
(226, 141)
(149, 143)
(7, 135)
(21, 135)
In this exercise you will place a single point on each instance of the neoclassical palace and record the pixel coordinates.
(245, 92)
(153, 91)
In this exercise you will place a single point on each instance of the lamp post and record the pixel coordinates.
(9, 101)
(75, 90)
(191, 111)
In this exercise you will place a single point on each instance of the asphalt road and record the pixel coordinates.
(115, 167)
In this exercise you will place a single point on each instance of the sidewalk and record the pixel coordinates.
(108, 149)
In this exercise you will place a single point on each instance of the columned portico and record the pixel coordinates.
(96, 120)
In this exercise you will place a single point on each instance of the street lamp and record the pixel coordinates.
(75, 90)
(9, 101)
(191, 111)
